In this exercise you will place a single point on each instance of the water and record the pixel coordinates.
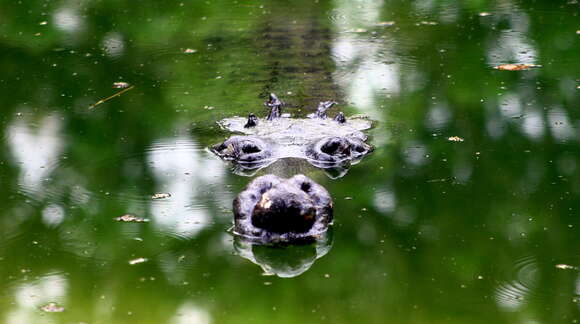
(427, 230)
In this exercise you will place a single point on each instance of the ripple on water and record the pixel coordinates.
(529, 279)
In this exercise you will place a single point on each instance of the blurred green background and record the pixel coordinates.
(426, 230)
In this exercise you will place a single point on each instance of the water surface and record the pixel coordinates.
(427, 229)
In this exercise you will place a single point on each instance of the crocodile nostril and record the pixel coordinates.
(305, 187)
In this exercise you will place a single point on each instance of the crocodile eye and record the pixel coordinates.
(330, 147)
(305, 186)
(360, 149)
(250, 148)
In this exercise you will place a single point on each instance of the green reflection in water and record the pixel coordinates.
(427, 230)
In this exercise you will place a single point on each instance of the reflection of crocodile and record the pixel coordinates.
(284, 260)
(323, 142)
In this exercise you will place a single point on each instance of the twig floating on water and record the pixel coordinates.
(111, 97)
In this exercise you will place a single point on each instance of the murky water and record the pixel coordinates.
(466, 212)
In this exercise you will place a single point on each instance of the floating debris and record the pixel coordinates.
(455, 139)
(438, 180)
(360, 30)
(52, 308)
(190, 51)
(386, 23)
(120, 85)
(427, 23)
(137, 261)
(565, 266)
(161, 195)
(42, 23)
(484, 14)
(515, 67)
(131, 219)
(347, 198)
(111, 97)
(578, 32)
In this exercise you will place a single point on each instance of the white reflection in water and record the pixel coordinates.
(424, 6)
(560, 125)
(29, 297)
(358, 13)
(438, 117)
(533, 125)
(510, 105)
(512, 45)
(113, 44)
(186, 175)
(361, 70)
(53, 215)
(67, 19)
(35, 147)
(384, 200)
(190, 313)
(414, 153)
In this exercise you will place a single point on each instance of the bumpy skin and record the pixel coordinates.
(339, 118)
(272, 209)
(275, 106)
(244, 149)
(252, 121)
(251, 152)
(337, 149)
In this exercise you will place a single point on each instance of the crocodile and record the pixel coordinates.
(324, 142)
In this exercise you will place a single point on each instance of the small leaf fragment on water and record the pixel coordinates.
(515, 67)
(52, 308)
(131, 219)
(42, 23)
(190, 51)
(565, 266)
(161, 195)
(137, 261)
(120, 85)
(484, 14)
(455, 139)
